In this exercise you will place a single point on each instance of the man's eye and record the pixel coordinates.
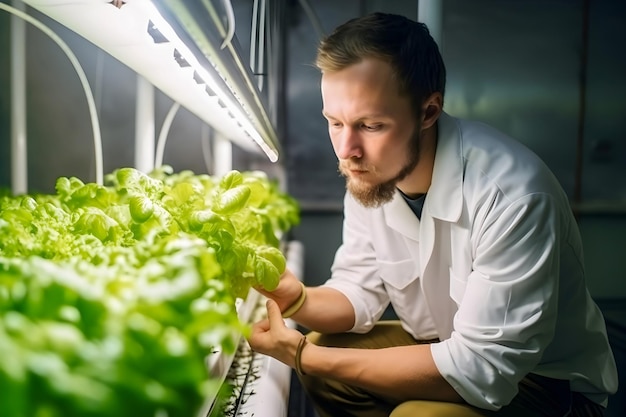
(371, 128)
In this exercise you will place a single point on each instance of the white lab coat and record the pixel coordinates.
(494, 269)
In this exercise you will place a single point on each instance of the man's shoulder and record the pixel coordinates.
(494, 160)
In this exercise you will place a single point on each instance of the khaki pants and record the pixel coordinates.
(538, 396)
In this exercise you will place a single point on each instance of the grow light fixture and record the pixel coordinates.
(175, 45)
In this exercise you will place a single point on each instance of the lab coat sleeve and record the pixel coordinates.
(508, 311)
(355, 271)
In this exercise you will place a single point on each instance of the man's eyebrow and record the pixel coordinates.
(372, 116)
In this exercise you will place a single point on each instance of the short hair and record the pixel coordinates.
(404, 43)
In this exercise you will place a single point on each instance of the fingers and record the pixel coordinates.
(273, 323)
(261, 326)
(274, 315)
(272, 337)
(268, 334)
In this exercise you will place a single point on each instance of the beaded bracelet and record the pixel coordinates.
(293, 309)
(298, 359)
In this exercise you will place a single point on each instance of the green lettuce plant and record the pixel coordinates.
(112, 297)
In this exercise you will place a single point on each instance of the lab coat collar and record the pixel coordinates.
(401, 218)
(445, 195)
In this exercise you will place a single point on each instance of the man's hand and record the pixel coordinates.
(288, 291)
(273, 338)
(325, 310)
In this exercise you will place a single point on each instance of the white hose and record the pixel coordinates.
(97, 139)
(253, 35)
(315, 21)
(261, 63)
(230, 15)
(165, 129)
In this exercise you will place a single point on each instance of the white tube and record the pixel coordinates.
(261, 64)
(144, 126)
(222, 155)
(163, 134)
(430, 12)
(253, 36)
(206, 135)
(230, 16)
(19, 156)
(315, 21)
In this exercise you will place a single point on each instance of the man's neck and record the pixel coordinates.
(418, 181)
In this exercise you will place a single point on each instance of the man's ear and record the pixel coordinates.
(431, 109)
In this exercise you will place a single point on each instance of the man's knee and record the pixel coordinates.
(435, 409)
(314, 337)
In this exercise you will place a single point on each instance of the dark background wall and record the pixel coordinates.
(515, 65)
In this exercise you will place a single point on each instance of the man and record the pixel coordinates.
(463, 230)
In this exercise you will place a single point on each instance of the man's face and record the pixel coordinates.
(373, 129)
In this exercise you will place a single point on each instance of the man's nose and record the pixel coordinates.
(349, 144)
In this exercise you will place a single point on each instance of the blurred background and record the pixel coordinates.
(550, 73)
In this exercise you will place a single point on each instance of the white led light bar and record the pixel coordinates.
(177, 49)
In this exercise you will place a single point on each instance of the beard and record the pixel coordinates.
(372, 194)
